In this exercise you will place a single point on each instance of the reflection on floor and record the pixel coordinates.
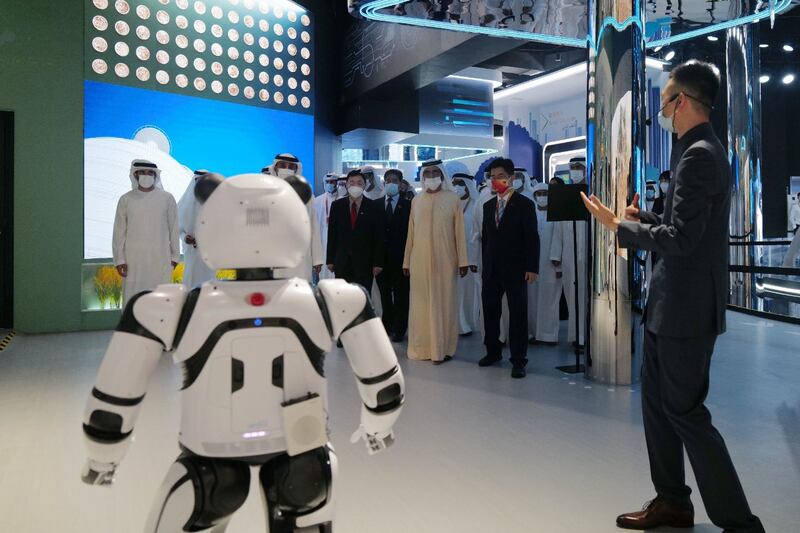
(475, 451)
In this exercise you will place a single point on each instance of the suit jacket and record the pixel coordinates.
(362, 245)
(512, 248)
(689, 288)
(396, 231)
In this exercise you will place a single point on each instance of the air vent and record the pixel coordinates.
(257, 217)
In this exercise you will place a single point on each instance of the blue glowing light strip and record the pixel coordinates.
(469, 123)
(468, 112)
(473, 103)
(370, 11)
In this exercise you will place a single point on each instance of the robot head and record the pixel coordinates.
(253, 221)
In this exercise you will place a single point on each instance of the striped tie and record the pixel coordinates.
(501, 207)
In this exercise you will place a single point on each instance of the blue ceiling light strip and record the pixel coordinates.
(369, 11)
(471, 112)
(459, 101)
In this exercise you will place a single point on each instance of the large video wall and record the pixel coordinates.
(219, 84)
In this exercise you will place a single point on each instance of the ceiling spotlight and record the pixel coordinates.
(764, 78)
(657, 49)
(789, 78)
(669, 55)
(763, 45)
(713, 38)
(788, 48)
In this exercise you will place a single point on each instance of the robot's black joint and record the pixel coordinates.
(389, 399)
(105, 427)
(116, 400)
(186, 315)
(129, 324)
(323, 307)
(254, 274)
(379, 379)
(367, 313)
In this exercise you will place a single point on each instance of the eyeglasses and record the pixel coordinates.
(676, 95)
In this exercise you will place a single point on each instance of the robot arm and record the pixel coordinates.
(147, 327)
(379, 377)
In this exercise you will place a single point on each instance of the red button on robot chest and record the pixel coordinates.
(257, 299)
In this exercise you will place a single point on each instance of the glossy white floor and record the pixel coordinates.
(475, 452)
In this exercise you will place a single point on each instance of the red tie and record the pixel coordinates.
(353, 215)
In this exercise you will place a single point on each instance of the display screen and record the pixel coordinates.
(220, 85)
(457, 106)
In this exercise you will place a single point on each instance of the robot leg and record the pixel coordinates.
(199, 494)
(298, 491)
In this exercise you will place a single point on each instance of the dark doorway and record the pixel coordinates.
(6, 219)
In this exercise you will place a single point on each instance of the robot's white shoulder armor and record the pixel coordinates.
(155, 314)
(344, 305)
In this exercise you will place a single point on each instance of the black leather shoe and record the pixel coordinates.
(446, 359)
(339, 344)
(518, 372)
(658, 513)
(535, 342)
(489, 360)
(397, 337)
(467, 334)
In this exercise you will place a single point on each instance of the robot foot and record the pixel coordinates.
(199, 494)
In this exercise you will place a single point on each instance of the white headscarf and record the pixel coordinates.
(144, 164)
(469, 182)
(526, 191)
(447, 183)
(188, 204)
(288, 158)
(378, 190)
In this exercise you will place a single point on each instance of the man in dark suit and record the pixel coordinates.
(392, 283)
(355, 235)
(510, 251)
(685, 313)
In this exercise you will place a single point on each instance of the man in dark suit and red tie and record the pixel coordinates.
(355, 235)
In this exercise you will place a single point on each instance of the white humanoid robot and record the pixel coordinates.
(252, 352)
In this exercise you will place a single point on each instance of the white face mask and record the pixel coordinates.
(541, 201)
(392, 189)
(342, 190)
(146, 181)
(460, 190)
(284, 173)
(330, 187)
(667, 124)
(576, 176)
(355, 191)
(431, 184)
(517, 184)
(664, 186)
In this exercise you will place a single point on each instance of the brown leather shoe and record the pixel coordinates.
(657, 513)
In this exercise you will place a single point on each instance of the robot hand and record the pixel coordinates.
(376, 442)
(95, 473)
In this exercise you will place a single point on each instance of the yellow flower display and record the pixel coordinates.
(108, 286)
(177, 273)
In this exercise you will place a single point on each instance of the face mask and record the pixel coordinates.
(667, 123)
(650, 194)
(460, 190)
(664, 187)
(355, 191)
(576, 176)
(392, 189)
(499, 187)
(541, 201)
(330, 187)
(342, 190)
(146, 181)
(285, 173)
(517, 184)
(431, 184)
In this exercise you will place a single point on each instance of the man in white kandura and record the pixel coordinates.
(146, 244)
(322, 206)
(284, 166)
(545, 292)
(469, 289)
(195, 271)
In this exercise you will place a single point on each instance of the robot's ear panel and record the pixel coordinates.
(301, 187)
(207, 185)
